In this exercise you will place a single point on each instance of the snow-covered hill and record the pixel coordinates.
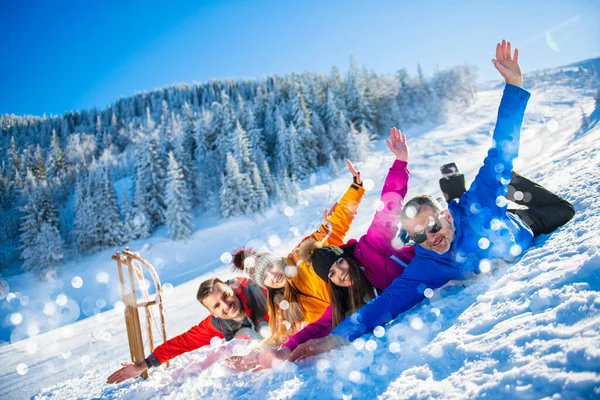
(528, 330)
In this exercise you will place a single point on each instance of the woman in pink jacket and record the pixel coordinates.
(357, 270)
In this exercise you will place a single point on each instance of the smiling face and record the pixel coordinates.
(439, 241)
(274, 276)
(339, 273)
(224, 303)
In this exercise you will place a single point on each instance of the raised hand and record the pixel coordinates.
(329, 212)
(397, 144)
(508, 64)
(313, 347)
(129, 370)
(354, 172)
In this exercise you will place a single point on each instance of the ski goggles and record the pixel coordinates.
(433, 227)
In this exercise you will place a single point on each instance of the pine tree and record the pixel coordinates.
(305, 137)
(128, 225)
(324, 142)
(290, 189)
(336, 126)
(240, 148)
(283, 147)
(234, 186)
(166, 129)
(189, 168)
(269, 181)
(333, 167)
(260, 199)
(155, 185)
(38, 165)
(223, 125)
(83, 219)
(107, 211)
(179, 205)
(17, 165)
(41, 244)
(57, 163)
(189, 129)
(358, 143)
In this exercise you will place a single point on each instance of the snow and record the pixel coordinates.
(530, 329)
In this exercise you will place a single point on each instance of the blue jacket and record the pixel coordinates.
(485, 232)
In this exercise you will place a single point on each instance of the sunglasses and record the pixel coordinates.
(421, 236)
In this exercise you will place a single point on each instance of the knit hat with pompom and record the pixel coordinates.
(255, 264)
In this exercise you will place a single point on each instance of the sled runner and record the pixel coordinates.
(134, 265)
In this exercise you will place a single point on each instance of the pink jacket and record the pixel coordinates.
(374, 251)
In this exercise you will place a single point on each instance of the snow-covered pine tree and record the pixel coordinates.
(333, 167)
(17, 165)
(223, 125)
(155, 186)
(324, 141)
(57, 162)
(99, 134)
(283, 146)
(39, 234)
(234, 189)
(83, 218)
(336, 126)
(128, 225)
(260, 199)
(38, 165)
(305, 137)
(240, 148)
(354, 99)
(189, 122)
(290, 189)
(295, 160)
(165, 130)
(143, 198)
(184, 157)
(179, 203)
(110, 232)
(269, 182)
(203, 134)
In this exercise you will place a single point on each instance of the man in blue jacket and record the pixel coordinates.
(474, 233)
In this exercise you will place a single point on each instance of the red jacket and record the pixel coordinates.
(252, 297)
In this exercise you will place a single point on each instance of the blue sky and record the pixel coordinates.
(67, 55)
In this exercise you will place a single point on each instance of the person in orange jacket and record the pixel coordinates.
(296, 294)
(238, 309)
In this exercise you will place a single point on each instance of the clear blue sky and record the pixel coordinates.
(58, 56)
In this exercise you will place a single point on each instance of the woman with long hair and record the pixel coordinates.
(358, 270)
(296, 296)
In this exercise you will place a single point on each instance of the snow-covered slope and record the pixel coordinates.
(528, 330)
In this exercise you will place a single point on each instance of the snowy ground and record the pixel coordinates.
(528, 330)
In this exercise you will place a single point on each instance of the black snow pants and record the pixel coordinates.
(545, 210)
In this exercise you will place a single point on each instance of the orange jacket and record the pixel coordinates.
(314, 291)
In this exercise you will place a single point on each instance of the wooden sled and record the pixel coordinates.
(134, 264)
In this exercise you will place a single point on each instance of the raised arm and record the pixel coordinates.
(343, 215)
(384, 227)
(494, 176)
(338, 222)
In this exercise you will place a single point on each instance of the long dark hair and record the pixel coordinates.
(294, 313)
(346, 300)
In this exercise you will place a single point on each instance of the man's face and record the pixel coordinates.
(439, 241)
(224, 303)
(339, 273)
(274, 276)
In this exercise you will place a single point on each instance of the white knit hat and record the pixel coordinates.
(258, 263)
